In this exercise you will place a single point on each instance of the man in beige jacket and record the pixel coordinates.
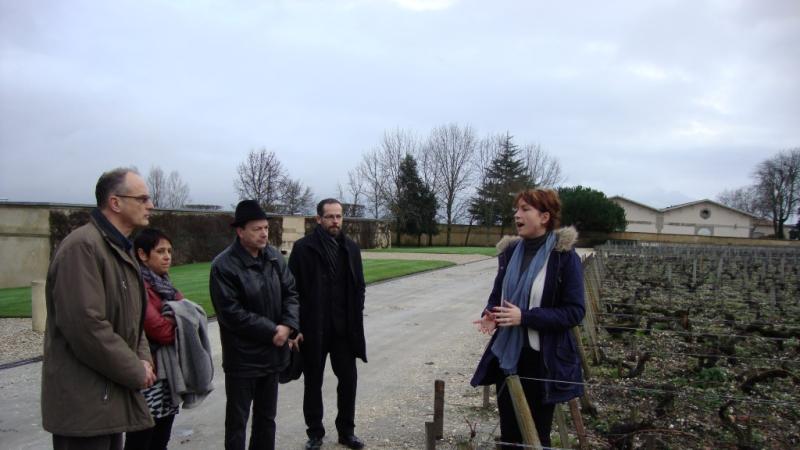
(96, 356)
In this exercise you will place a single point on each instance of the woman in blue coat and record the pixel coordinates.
(536, 299)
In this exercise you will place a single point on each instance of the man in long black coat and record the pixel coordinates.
(330, 281)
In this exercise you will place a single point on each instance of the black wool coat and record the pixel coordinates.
(308, 264)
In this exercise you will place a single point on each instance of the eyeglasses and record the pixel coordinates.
(139, 198)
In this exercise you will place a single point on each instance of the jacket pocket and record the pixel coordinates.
(106, 396)
(566, 364)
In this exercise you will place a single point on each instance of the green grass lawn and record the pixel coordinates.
(488, 251)
(192, 280)
(15, 302)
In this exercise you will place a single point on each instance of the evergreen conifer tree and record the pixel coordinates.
(416, 205)
(493, 202)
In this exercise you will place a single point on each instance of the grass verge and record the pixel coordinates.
(192, 280)
(488, 251)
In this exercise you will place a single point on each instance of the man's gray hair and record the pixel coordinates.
(109, 183)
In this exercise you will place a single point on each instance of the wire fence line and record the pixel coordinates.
(695, 333)
(708, 355)
(695, 321)
(686, 395)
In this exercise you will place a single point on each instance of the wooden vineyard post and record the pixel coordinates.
(430, 438)
(522, 411)
(589, 319)
(581, 352)
(578, 421)
(562, 425)
(669, 285)
(438, 409)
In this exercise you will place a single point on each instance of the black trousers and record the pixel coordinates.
(528, 366)
(241, 392)
(155, 438)
(104, 442)
(343, 363)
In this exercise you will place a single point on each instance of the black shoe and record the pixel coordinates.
(351, 441)
(314, 443)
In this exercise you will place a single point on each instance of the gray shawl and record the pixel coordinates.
(187, 365)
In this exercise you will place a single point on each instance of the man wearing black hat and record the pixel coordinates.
(255, 299)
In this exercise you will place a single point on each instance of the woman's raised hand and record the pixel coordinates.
(486, 324)
(507, 315)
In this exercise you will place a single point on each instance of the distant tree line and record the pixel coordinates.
(449, 176)
(455, 176)
(774, 193)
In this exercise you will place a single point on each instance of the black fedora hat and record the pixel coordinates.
(246, 211)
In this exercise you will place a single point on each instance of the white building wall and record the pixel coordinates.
(640, 220)
(719, 221)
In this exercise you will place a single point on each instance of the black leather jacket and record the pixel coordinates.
(251, 297)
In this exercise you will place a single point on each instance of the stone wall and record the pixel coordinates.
(461, 235)
(24, 244)
(30, 233)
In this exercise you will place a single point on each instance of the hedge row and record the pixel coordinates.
(195, 237)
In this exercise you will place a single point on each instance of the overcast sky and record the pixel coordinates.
(659, 101)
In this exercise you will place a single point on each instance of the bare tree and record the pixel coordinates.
(351, 198)
(486, 151)
(167, 192)
(543, 170)
(778, 181)
(447, 167)
(379, 170)
(176, 193)
(260, 177)
(156, 183)
(745, 199)
(370, 172)
(295, 198)
(394, 147)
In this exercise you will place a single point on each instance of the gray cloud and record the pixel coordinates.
(661, 101)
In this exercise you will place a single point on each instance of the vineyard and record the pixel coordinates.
(692, 347)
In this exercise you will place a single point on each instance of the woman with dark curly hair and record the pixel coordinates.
(536, 299)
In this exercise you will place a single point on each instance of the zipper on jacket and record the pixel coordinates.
(105, 392)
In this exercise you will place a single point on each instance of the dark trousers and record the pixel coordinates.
(343, 362)
(528, 366)
(104, 442)
(155, 438)
(262, 392)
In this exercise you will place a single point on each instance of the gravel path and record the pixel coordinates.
(455, 258)
(18, 341)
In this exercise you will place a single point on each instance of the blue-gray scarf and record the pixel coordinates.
(517, 290)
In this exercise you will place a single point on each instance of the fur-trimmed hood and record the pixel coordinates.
(565, 240)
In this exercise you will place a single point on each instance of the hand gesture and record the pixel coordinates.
(486, 324)
(294, 344)
(507, 315)
(281, 335)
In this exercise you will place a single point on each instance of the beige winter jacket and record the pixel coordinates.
(94, 342)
